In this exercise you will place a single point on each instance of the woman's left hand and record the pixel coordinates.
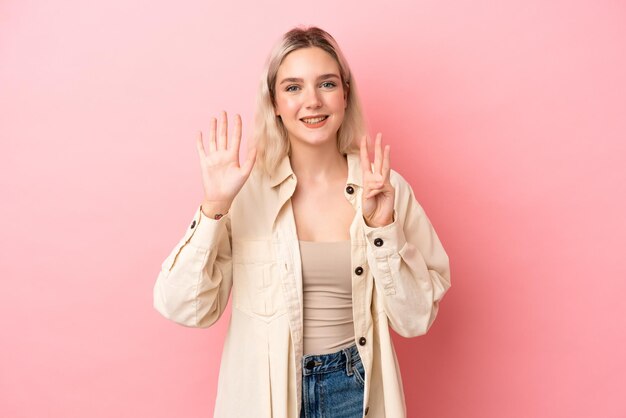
(378, 193)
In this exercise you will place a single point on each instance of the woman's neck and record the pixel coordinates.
(318, 164)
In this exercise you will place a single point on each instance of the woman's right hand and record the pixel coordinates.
(222, 176)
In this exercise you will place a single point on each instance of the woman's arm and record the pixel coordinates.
(410, 266)
(194, 284)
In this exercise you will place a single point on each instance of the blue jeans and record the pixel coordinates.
(333, 384)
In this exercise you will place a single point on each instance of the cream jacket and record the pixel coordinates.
(400, 274)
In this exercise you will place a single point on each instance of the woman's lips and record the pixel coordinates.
(317, 121)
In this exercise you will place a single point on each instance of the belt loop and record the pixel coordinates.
(348, 355)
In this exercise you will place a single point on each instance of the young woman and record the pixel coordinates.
(322, 249)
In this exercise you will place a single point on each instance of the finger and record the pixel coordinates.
(373, 193)
(369, 186)
(200, 145)
(236, 139)
(221, 139)
(386, 164)
(385, 190)
(212, 146)
(378, 155)
(375, 184)
(365, 160)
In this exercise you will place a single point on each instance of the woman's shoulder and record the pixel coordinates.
(399, 182)
(405, 196)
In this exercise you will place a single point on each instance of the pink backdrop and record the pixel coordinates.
(508, 118)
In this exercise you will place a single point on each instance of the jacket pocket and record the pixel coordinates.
(256, 284)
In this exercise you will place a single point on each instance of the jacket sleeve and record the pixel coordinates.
(193, 286)
(410, 266)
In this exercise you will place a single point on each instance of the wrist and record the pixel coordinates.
(214, 210)
(378, 224)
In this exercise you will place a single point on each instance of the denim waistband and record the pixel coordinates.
(345, 358)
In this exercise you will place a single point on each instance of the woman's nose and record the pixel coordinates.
(313, 99)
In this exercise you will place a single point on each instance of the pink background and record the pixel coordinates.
(508, 118)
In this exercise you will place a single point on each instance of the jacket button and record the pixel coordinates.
(350, 189)
(358, 270)
(367, 409)
(378, 242)
(193, 224)
(310, 365)
(362, 340)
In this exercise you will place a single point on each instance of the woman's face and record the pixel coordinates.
(310, 98)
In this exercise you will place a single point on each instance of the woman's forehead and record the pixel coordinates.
(309, 62)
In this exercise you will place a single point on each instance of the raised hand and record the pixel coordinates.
(222, 176)
(378, 193)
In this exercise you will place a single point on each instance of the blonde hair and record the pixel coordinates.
(270, 135)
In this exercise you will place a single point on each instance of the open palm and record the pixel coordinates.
(222, 175)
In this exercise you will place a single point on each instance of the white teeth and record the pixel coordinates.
(314, 120)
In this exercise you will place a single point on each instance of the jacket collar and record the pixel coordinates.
(284, 170)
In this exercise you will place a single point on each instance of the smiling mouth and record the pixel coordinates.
(313, 121)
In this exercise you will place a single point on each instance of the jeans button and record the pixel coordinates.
(310, 365)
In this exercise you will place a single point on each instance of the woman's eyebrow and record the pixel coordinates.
(299, 80)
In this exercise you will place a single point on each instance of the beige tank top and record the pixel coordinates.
(327, 296)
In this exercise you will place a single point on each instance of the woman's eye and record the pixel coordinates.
(291, 88)
(328, 84)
